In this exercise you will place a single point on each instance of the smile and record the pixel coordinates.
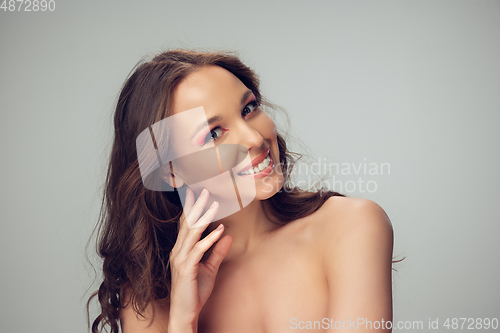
(262, 169)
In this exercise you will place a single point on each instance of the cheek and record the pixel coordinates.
(269, 132)
(266, 127)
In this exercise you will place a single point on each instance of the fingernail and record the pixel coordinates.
(220, 227)
(204, 192)
(214, 204)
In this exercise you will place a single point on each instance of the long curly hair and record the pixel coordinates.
(138, 227)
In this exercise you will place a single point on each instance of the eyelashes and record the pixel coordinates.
(212, 135)
(250, 107)
(218, 131)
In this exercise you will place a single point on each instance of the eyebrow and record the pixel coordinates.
(245, 96)
(215, 119)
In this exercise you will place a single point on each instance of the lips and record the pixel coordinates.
(258, 164)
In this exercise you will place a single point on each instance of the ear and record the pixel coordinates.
(170, 177)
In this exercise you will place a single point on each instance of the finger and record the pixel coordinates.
(188, 204)
(193, 235)
(189, 216)
(207, 217)
(219, 252)
(189, 201)
(197, 208)
(202, 246)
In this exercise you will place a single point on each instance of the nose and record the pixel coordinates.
(249, 136)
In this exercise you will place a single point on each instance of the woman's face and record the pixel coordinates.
(232, 118)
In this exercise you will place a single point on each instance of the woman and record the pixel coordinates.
(288, 260)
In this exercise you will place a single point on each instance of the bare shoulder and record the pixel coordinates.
(132, 322)
(342, 220)
(355, 238)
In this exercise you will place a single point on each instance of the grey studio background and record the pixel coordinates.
(414, 84)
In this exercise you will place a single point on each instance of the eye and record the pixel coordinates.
(214, 134)
(249, 108)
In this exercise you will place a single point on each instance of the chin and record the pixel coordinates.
(268, 187)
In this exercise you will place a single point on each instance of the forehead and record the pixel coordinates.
(212, 87)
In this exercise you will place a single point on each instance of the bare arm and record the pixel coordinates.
(358, 264)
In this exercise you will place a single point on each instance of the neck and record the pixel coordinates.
(247, 226)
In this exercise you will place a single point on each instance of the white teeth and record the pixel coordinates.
(262, 165)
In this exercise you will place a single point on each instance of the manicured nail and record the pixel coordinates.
(220, 227)
(214, 204)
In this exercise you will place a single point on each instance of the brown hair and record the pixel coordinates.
(138, 227)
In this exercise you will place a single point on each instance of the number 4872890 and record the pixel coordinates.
(28, 5)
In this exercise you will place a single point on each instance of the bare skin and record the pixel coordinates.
(295, 272)
(254, 276)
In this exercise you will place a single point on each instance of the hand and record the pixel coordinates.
(192, 280)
